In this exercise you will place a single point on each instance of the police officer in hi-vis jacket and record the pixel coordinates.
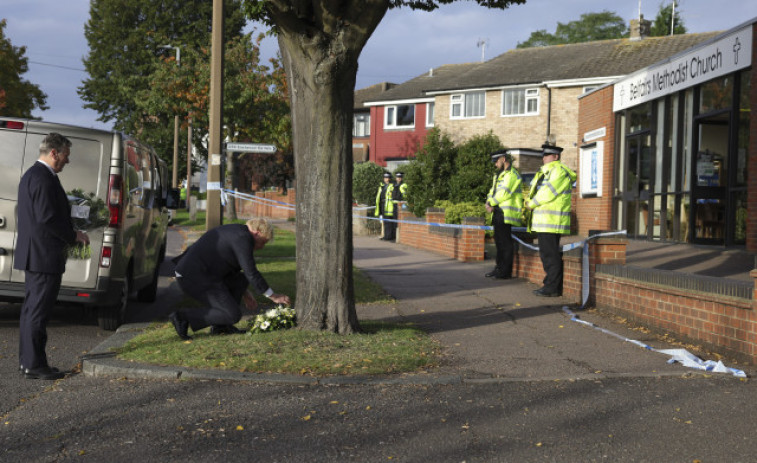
(549, 206)
(504, 202)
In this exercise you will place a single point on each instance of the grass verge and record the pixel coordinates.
(382, 348)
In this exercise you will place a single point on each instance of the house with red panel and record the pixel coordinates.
(401, 116)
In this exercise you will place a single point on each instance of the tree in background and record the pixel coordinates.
(126, 38)
(18, 97)
(320, 43)
(592, 26)
(662, 22)
(256, 105)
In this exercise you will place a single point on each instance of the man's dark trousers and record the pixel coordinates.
(390, 228)
(551, 259)
(41, 294)
(221, 299)
(504, 242)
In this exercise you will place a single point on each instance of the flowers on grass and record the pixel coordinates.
(279, 318)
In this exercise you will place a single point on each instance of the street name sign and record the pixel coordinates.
(250, 147)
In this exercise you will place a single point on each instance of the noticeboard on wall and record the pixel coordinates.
(592, 162)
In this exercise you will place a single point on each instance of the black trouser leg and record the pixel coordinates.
(551, 259)
(504, 243)
(390, 228)
(41, 294)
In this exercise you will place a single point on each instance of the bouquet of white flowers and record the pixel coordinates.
(279, 318)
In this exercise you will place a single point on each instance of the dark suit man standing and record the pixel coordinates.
(44, 232)
(217, 270)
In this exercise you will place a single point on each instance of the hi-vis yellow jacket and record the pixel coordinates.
(549, 199)
(388, 200)
(506, 193)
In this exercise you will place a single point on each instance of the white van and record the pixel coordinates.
(118, 190)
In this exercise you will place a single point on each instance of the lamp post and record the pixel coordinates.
(175, 174)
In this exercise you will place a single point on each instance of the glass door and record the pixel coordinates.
(708, 218)
(638, 185)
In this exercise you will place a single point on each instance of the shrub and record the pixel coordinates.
(366, 178)
(456, 212)
(473, 172)
(428, 175)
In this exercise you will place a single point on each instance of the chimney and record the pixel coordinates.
(640, 28)
(431, 72)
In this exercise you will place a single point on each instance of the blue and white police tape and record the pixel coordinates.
(260, 200)
(565, 247)
(681, 356)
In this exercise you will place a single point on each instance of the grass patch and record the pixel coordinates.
(181, 219)
(381, 349)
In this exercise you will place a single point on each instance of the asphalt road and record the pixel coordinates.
(685, 418)
(634, 420)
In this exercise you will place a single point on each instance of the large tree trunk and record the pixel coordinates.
(320, 50)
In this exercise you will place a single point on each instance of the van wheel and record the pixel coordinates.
(150, 292)
(110, 317)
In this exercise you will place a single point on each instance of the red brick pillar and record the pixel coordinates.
(606, 250)
(472, 240)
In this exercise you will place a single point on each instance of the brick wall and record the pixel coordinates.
(595, 112)
(461, 244)
(249, 208)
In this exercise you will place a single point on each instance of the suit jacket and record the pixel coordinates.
(221, 253)
(44, 228)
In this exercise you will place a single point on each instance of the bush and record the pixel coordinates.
(456, 212)
(366, 178)
(474, 170)
(428, 175)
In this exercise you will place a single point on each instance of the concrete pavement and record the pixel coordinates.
(489, 330)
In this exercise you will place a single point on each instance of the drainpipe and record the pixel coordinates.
(549, 111)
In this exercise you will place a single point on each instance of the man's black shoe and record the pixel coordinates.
(180, 325)
(43, 373)
(542, 293)
(493, 274)
(226, 329)
(22, 370)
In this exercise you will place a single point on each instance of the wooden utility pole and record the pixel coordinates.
(213, 216)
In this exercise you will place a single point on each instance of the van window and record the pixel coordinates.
(83, 171)
(11, 157)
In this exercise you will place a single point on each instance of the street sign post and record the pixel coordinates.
(250, 148)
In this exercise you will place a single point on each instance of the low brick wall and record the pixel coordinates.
(715, 313)
(461, 244)
(249, 208)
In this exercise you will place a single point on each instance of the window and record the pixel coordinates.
(520, 102)
(466, 105)
(399, 116)
(429, 114)
(361, 125)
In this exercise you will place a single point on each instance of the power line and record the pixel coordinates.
(58, 66)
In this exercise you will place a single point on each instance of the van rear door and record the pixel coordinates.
(84, 178)
(12, 141)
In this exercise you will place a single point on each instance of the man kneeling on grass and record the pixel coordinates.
(217, 270)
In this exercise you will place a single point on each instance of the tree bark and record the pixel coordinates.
(320, 42)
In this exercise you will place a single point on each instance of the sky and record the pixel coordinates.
(406, 44)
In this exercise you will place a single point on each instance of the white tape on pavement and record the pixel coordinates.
(681, 356)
